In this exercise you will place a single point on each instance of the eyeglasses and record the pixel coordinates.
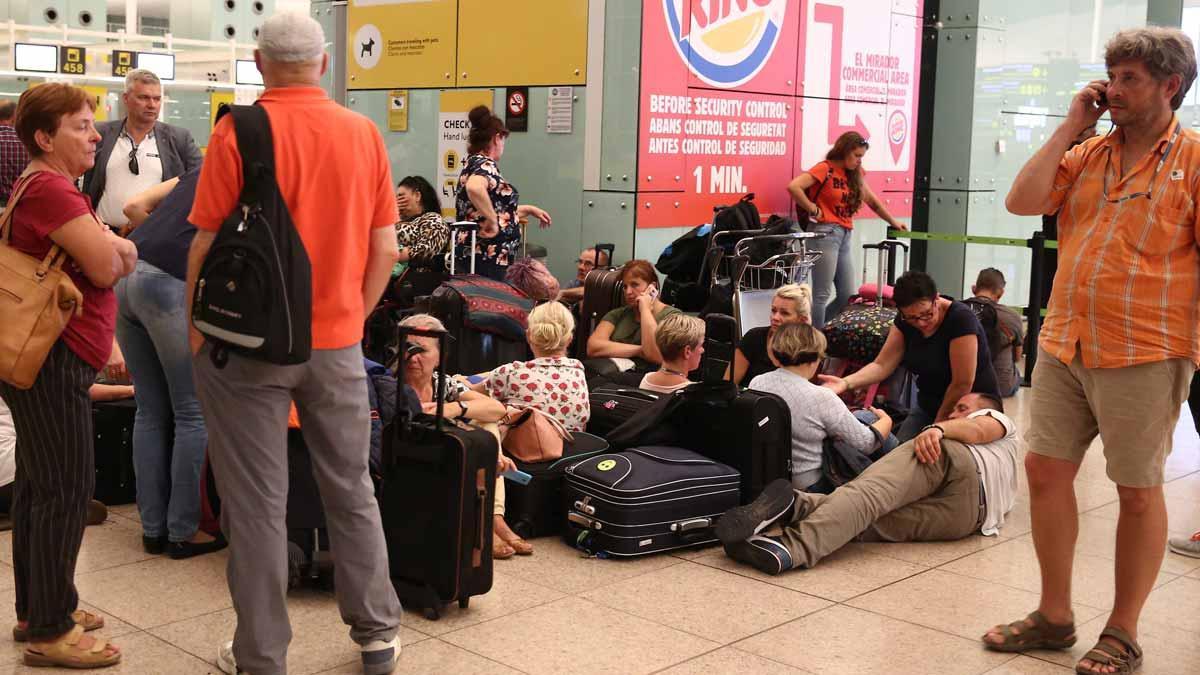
(864, 144)
(1149, 191)
(922, 317)
(133, 164)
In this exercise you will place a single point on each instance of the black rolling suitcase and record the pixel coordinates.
(112, 424)
(436, 500)
(538, 509)
(646, 500)
(611, 406)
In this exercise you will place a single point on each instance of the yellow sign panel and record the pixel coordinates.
(401, 43)
(398, 110)
(215, 100)
(552, 39)
(453, 129)
(100, 96)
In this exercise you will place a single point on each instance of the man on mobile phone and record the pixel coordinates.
(1120, 341)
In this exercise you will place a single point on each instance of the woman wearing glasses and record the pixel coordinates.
(941, 342)
(831, 192)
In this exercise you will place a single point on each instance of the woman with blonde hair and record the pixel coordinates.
(551, 383)
(680, 340)
(817, 413)
(792, 304)
(831, 192)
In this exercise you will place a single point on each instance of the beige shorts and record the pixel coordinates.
(1133, 409)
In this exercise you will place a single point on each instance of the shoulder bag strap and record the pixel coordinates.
(822, 185)
(257, 149)
(56, 256)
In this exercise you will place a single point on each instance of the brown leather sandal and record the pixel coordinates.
(66, 653)
(1108, 654)
(81, 617)
(1032, 632)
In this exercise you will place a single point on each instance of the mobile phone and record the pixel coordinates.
(1103, 102)
(517, 476)
(652, 291)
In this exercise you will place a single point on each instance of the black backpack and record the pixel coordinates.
(985, 311)
(254, 291)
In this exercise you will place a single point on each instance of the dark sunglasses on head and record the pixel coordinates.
(864, 144)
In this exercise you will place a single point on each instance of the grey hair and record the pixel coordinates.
(1164, 51)
(423, 322)
(291, 37)
(140, 75)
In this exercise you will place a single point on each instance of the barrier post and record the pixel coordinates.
(1033, 312)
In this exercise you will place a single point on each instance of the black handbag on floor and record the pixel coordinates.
(254, 291)
(112, 423)
(436, 500)
(538, 509)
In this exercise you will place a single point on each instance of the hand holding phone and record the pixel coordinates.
(517, 476)
(652, 292)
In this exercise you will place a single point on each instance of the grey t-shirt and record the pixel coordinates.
(998, 471)
(817, 414)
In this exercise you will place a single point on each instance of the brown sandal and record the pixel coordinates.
(66, 653)
(1108, 654)
(81, 617)
(1032, 632)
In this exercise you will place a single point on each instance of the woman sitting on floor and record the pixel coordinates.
(680, 340)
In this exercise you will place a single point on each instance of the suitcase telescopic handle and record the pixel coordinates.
(402, 333)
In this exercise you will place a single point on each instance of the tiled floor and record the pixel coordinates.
(879, 608)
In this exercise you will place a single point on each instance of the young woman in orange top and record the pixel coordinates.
(831, 192)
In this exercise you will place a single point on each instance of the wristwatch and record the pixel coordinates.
(934, 426)
(463, 413)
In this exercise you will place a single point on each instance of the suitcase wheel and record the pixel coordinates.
(463, 603)
(432, 613)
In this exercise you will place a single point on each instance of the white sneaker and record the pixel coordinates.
(379, 657)
(225, 660)
(1189, 546)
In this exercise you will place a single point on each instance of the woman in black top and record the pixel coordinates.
(791, 304)
(941, 342)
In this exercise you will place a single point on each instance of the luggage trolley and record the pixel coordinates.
(754, 285)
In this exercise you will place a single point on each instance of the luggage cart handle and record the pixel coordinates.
(743, 244)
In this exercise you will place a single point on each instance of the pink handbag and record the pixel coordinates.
(532, 436)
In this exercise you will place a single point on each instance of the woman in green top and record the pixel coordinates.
(628, 332)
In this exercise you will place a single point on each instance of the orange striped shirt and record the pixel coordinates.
(1127, 290)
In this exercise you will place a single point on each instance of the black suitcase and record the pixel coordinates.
(646, 500)
(752, 432)
(471, 351)
(436, 501)
(612, 405)
(539, 508)
(603, 292)
(112, 424)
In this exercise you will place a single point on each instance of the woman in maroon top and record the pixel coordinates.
(55, 462)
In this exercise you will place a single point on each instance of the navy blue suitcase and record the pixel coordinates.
(538, 509)
(646, 500)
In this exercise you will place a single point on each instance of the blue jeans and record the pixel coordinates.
(833, 275)
(889, 442)
(169, 437)
(917, 419)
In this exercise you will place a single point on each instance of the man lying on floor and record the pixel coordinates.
(956, 478)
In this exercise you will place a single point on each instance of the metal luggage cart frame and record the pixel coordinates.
(758, 282)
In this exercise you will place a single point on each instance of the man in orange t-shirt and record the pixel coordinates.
(1122, 334)
(333, 172)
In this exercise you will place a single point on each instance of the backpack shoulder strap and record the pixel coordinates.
(823, 182)
(253, 130)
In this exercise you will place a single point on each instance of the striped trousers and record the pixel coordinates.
(56, 476)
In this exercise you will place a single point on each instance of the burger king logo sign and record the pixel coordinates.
(725, 42)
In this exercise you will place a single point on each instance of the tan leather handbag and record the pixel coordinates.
(37, 299)
(532, 436)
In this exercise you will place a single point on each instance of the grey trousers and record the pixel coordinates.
(895, 499)
(246, 406)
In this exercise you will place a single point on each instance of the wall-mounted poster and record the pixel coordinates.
(396, 44)
(741, 95)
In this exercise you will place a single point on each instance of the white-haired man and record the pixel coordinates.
(137, 152)
(338, 190)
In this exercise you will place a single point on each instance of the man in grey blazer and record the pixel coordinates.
(137, 152)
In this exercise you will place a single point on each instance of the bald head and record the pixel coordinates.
(291, 50)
